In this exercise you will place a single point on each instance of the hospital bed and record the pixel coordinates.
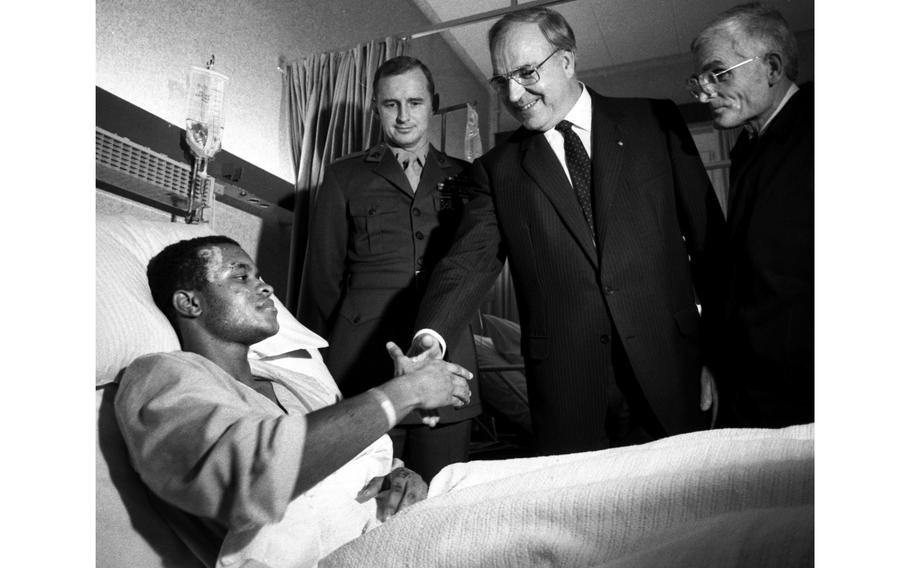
(717, 498)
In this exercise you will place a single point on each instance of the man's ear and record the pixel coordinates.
(187, 303)
(568, 62)
(775, 68)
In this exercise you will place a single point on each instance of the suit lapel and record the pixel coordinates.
(607, 159)
(746, 153)
(389, 168)
(743, 153)
(541, 164)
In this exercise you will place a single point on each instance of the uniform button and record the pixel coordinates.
(605, 339)
(609, 291)
(372, 211)
(416, 212)
(419, 235)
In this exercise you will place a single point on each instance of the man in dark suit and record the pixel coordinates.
(608, 219)
(379, 226)
(761, 338)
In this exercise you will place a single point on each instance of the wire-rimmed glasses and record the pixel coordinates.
(524, 76)
(707, 81)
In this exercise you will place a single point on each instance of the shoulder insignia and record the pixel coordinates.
(375, 153)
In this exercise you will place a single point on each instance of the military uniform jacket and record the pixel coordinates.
(372, 244)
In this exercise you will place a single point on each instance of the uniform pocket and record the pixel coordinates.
(371, 220)
(363, 306)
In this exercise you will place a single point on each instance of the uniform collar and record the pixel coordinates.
(402, 154)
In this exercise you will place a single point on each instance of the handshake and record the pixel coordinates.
(423, 363)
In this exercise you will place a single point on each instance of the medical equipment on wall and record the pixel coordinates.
(204, 128)
(473, 148)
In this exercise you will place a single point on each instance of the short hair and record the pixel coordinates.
(180, 267)
(755, 22)
(400, 65)
(551, 23)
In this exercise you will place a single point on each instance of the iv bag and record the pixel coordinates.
(472, 145)
(205, 111)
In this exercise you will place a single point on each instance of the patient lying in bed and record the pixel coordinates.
(233, 443)
(257, 462)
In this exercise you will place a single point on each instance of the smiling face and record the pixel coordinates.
(236, 303)
(745, 95)
(404, 105)
(542, 105)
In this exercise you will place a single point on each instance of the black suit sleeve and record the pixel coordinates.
(462, 278)
(700, 215)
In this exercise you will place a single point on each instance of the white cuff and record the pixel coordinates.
(436, 336)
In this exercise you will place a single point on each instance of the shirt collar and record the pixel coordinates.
(790, 92)
(580, 113)
(402, 154)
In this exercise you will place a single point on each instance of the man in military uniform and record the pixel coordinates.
(382, 220)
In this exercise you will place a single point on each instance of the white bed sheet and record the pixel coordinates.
(718, 498)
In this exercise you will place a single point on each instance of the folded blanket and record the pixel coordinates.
(717, 498)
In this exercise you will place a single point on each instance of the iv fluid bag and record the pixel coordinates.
(472, 145)
(205, 111)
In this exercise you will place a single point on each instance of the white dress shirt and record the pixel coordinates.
(580, 117)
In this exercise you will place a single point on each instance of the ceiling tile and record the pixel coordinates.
(611, 32)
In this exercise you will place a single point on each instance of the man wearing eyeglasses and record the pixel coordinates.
(598, 204)
(761, 339)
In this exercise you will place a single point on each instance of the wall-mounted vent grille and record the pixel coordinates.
(141, 163)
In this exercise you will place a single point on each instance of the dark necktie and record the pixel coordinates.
(579, 169)
(411, 165)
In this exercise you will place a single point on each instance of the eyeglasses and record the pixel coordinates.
(707, 81)
(524, 76)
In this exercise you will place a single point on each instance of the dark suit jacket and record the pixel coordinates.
(654, 207)
(370, 235)
(764, 332)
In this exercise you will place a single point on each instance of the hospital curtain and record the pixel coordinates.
(328, 97)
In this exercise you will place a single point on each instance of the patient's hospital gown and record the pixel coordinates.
(188, 425)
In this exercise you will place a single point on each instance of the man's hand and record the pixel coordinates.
(418, 366)
(425, 346)
(709, 398)
(399, 489)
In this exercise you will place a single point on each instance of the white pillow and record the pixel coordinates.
(127, 322)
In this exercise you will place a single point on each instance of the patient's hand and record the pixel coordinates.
(419, 371)
(405, 364)
(424, 347)
(399, 489)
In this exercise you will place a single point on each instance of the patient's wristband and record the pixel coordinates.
(386, 405)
